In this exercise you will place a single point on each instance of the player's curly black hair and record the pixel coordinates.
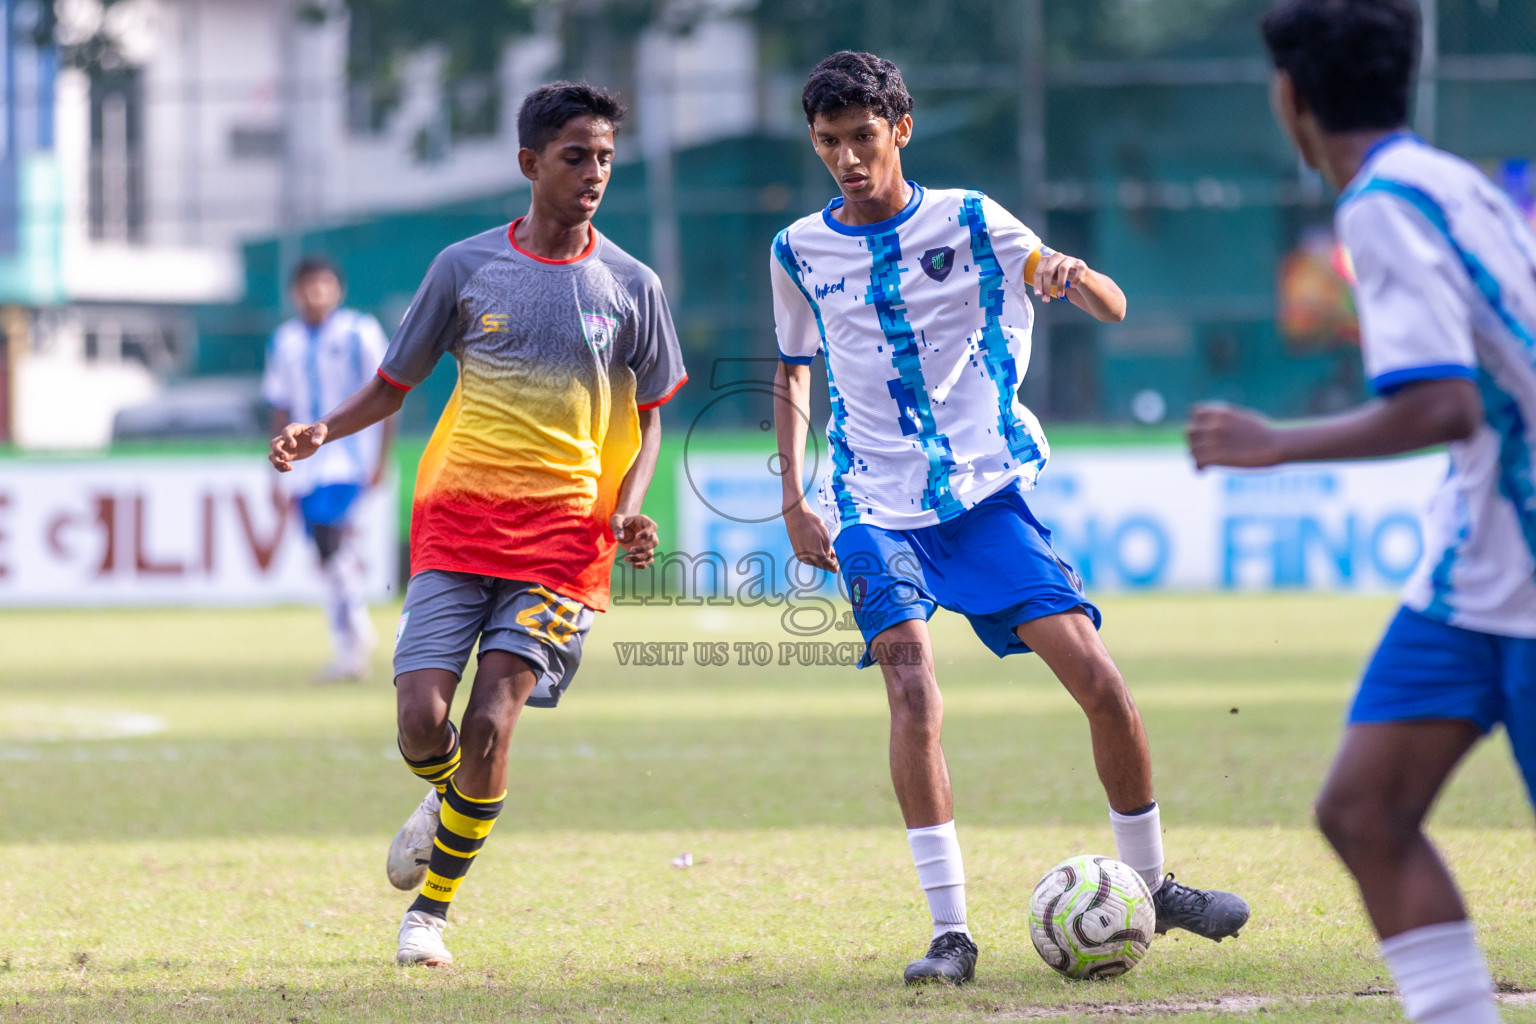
(850, 79)
(547, 109)
(1351, 60)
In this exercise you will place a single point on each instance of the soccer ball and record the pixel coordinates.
(1092, 917)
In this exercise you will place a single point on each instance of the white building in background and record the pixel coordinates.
(125, 195)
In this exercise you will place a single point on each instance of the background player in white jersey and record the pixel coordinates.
(1446, 290)
(314, 361)
(919, 298)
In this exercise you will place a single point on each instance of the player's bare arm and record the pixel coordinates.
(808, 535)
(374, 401)
(1420, 415)
(1058, 275)
(631, 528)
(386, 443)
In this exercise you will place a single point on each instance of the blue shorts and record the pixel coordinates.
(993, 564)
(1428, 670)
(328, 505)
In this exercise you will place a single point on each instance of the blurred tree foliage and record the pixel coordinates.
(470, 33)
(597, 36)
(88, 42)
(474, 32)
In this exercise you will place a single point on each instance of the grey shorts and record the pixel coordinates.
(446, 612)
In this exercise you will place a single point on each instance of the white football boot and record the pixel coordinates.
(364, 637)
(343, 669)
(421, 940)
(411, 848)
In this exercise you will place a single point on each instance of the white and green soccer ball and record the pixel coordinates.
(1092, 917)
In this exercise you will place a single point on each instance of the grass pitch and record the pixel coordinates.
(197, 831)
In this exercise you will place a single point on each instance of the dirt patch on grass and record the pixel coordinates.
(1222, 1004)
(1149, 1008)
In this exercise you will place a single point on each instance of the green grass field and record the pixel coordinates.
(197, 832)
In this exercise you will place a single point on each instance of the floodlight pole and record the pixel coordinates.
(1429, 70)
(656, 65)
(1031, 110)
(1031, 89)
(191, 55)
(289, 240)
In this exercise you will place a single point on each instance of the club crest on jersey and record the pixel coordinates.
(937, 263)
(599, 329)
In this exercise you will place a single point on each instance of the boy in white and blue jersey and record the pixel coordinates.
(315, 360)
(919, 299)
(933, 326)
(1446, 291)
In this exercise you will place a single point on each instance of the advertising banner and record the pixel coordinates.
(1129, 519)
(1142, 520)
(166, 531)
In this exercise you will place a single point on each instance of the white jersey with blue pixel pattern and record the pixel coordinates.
(309, 371)
(925, 322)
(1446, 288)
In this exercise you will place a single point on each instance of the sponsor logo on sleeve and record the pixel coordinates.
(823, 290)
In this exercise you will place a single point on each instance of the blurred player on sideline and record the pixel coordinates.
(1446, 289)
(314, 361)
(920, 300)
(535, 473)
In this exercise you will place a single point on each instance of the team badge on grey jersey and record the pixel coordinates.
(599, 329)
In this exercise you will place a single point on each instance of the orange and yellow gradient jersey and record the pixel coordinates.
(556, 359)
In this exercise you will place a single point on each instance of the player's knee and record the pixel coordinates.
(422, 720)
(915, 699)
(1104, 695)
(418, 730)
(486, 728)
(1357, 822)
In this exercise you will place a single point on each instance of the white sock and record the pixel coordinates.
(364, 636)
(941, 873)
(1139, 840)
(1441, 976)
(346, 613)
(338, 611)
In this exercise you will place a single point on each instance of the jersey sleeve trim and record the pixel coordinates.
(391, 381)
(796, 360)
(785, 255)
(1394, 380)
(664, 399)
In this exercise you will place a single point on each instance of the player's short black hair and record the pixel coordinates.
(1351, 60)
(547, 109)
(850, 79)
(311, 265)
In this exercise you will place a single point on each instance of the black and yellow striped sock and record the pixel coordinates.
(438, 770)
(461, 831)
